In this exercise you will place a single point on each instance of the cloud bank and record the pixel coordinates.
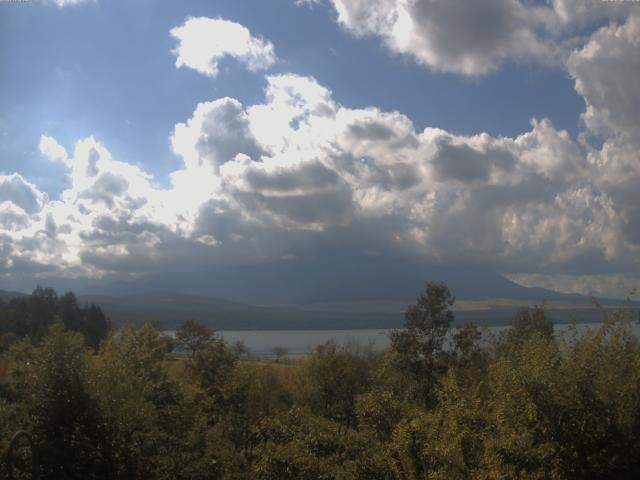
(299, 173)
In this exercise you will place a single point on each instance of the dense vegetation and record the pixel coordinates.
(32, 315)
(439, 403)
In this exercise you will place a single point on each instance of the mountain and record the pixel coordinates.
(345, 294)
(343, 279)
(7, 296)
(171, 309)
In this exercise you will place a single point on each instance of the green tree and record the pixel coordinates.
(331, 378)
(31, 316)
(529, 322)
(420, 345)
(194, 336)
(300, 446)
(279, 352)
(66, 424)
(149, 418)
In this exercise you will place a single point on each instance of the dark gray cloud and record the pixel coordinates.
(459, 162)
(400, 176)
(309, 176)
(324, 207)
(466, 164)
(371, 131)
(469, 34)
(107, 187)
(224, 133)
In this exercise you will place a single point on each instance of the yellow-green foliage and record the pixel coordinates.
(529, 405)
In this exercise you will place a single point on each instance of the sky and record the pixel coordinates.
(150, 137)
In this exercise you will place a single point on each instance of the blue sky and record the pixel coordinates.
(526, 165)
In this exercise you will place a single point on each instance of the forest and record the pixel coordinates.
(442, 402)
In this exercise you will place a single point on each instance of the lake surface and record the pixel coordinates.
(262, 343)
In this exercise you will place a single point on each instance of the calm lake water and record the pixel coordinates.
(261, 343)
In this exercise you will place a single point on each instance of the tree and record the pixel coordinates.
(241, 349)
(144, 412)
(194, 336)
(466, 344)
(66, 425)
(279, 352)
(88, 320)
(529, 322)
(96, 325)
(212, 366)
(31, 316)
(331, 378)
(43, 306)
(420, 345)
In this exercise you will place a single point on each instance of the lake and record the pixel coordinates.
(261, 343)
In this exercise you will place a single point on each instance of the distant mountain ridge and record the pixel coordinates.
(315, 295)
(340, 280)
(7, 296)
(170, 309)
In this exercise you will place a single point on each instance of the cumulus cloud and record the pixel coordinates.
(52, 150)
(470, 38)
(514, 201)
(299, 173)
(473, 38)
(203, 42)
(606, 73)
(21, 193)
(582, 12)
(215, 134)
(606, 70)
(12, 217)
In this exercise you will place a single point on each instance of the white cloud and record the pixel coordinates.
(15, 189)
(12, 217)
(330, 166)
(470, 38)
(204, 42)
(52, 150)
(217, 132)
(273, 179)
(581, 12)
(606, 73)
(474, 38)
(307, 3)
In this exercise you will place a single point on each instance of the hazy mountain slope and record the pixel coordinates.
(340, 280)
(170, 309)
(6, 295)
